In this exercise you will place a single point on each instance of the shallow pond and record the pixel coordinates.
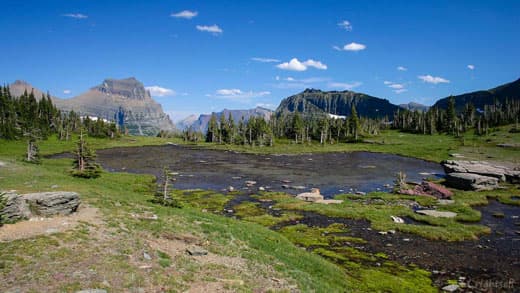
(332, 173)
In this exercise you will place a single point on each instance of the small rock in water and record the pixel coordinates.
(398, 220)
(391, 231)
(406, 239)
(250, 183)
(286, 181)
(261, 188)
(236, 178)
(498, 215)
(230, 188)
(196, 251)
(361, 193)
(382, 232)
(285, 186)
(450, 288)
(298, 187)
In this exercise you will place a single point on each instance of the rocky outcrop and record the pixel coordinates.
(478, 174)
(470, 181)
(428, 189)
(43, 204)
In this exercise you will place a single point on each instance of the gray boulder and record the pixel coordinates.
(42, 204)
(469, 181)
(476, 167)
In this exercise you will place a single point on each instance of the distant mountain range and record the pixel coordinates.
(413, 106)
(313, 101)
(201, 124)
(486, 97)
(143, 115)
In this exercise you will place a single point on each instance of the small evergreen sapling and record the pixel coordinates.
(84, 164)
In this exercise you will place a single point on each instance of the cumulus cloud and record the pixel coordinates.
(353, 47)
(157, 91)
(401, 68)
(296, 65)
(187, 14)
(471, 66)
(214, 29)
(239, 95)
(433, 79)
(346, 25)
(396, 87)
(76, 15)
(67, 92)
(265, 60)
(345, 85)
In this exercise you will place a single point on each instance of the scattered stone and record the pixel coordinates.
(437, 214)
(406, 239)
(361, 193)
(105, 283)
(2, 164)
(455, 155)
(391, 231)
(450, 288)
(329, 201)
(498, 215)
(51, 231)
(470, 181)
(445, 202)
(92, 291)
(145, 267)
(517, 232)
(387, 185)
(250, 183)
(230, 189)
(196, 251)
(285, 186)
(398, 220)
(312, 196)
(54, 186)
(230, 211)
(367, 166)
(261, 188)
(286, 181)
(382, 232)
(146, 256)
(298, 187)
(389, 245)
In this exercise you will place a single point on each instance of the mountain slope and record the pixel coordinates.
(201, 124)
(18, 87)
(485, 97)
(413, 106)
(312, 101)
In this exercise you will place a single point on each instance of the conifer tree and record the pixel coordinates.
(84, 164)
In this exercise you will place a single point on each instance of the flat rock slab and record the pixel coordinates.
(43, 204)
(196, 251)
(476, 167)
(329, 201)
(437, 214)
(469, 181)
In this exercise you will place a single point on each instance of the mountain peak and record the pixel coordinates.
(21, 83)
(129, 88)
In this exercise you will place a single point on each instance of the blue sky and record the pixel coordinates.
(203, 56)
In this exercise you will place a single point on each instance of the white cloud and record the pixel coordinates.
(76, 15)
(157, 91)
(433, 79)
(67, 92)
(214, 29)
(265, 60)
(396, 87)
(187, 14)
(402, 68)
(239, 95)
(346, 25)
(296, 65)
(351, 47)
(344, 85)
(290, 79)
(315, 64)
(471, 67)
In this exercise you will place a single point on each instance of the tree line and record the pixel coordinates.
(25, 116)
(448, 121)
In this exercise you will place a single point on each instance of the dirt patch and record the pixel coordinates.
(42, 226)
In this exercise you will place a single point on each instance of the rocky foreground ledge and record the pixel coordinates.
(478, 175)
(43, 204)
